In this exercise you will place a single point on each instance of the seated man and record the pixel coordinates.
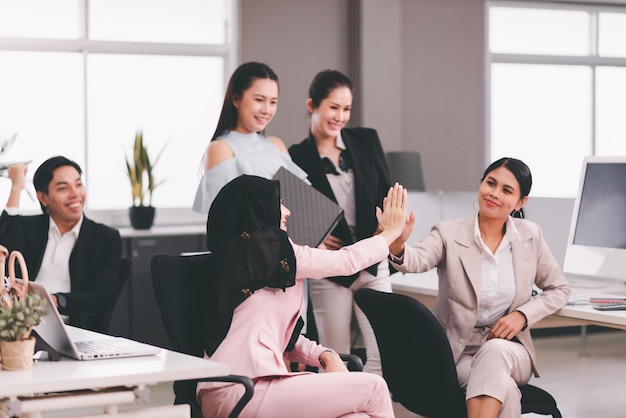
(75, 258)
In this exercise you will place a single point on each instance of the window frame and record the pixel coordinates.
(228, 51)
(592, 60)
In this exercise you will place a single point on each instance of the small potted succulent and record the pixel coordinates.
(20, 310)
(140, 173)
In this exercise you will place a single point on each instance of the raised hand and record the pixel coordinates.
(397, 247)
(17, 174)
(392, 219)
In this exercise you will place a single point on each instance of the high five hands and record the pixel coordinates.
(392, 219)
(396, 246)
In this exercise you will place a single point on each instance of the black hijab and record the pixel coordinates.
(250, 249)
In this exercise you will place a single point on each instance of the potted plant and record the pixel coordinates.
(20, 311)
(141, 176)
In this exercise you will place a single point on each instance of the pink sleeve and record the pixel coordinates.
(306, 352)
(315, 263)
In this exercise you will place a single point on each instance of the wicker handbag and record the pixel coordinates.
(11, 289)
(16, 348)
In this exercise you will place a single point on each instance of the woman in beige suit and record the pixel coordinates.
(487, 266)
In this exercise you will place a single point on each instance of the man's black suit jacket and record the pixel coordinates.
(94, 262)
(371, 182)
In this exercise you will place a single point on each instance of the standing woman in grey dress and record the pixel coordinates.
(239, 145)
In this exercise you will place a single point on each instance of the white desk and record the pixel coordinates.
(423, 287)
(26, 392)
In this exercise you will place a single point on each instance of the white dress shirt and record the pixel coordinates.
(497, 278)
(55, 266)
(342, 186)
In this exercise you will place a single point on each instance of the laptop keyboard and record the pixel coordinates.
(113, 347)
(96, 347)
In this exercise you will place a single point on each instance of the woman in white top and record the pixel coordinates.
(239, 145)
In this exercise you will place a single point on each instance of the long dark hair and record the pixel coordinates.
(239, 82)
(521, 172)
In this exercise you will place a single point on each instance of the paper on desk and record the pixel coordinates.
(582, 301)
(584, 298)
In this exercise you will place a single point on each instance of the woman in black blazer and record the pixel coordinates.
(348, 166)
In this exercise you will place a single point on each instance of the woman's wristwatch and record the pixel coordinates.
(328, 350)
(61, 301)
(395, 259)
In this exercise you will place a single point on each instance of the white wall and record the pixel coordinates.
(380, 69)
(420, 67)
(554, 215)
(297, 39)
(443, 102)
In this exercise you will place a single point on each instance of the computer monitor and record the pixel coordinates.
(596, 246)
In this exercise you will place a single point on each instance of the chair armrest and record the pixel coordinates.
(354, 362)
(247, 394)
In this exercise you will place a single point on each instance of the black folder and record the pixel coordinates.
(313, 215)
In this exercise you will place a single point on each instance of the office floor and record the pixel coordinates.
(587, 385)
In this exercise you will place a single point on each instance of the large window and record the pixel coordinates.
(80, 77)
(558, 88)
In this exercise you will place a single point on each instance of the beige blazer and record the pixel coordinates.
(451, 248)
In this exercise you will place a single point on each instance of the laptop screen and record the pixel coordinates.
(53, 331)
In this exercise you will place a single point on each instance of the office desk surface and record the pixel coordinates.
(423, 287)
(68, 374)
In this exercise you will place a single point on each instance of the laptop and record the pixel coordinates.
(313, 215)
(53, 331)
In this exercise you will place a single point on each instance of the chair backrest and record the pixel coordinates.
(416, 357)
(181, 285)
(102, 324)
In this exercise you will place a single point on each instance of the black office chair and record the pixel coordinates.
(181, 285)
(417, 360)
(102, 324)
(353, 362)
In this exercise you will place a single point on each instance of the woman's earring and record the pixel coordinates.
(518, 213)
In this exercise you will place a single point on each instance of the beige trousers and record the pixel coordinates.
(494, 368)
